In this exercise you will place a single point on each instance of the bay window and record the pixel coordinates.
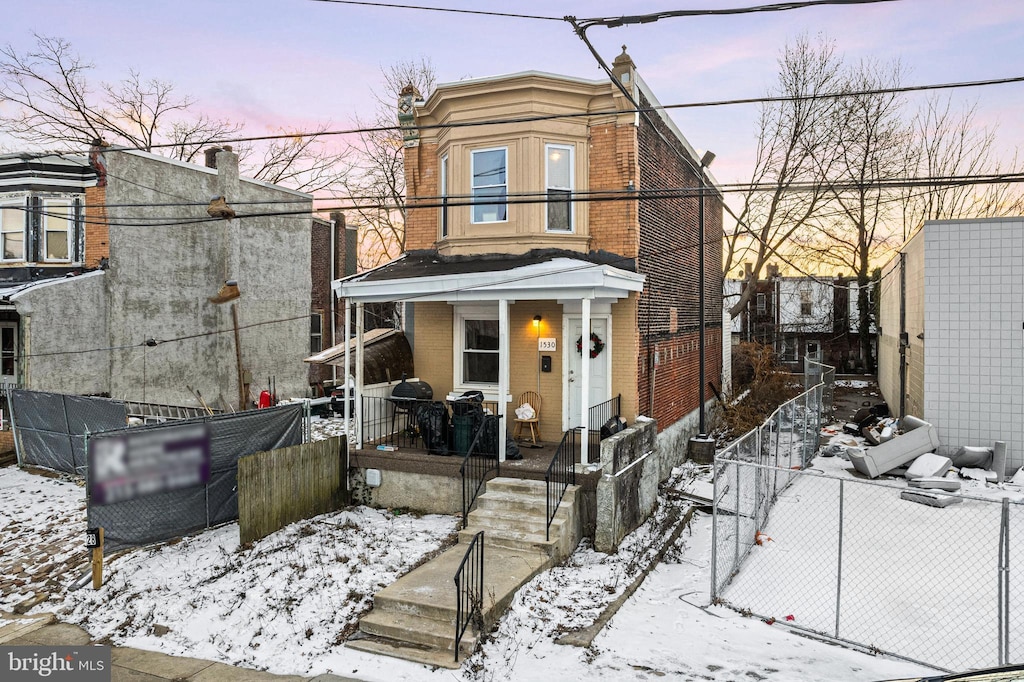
(12, 231)
(559, 174)
(58, 221)
(490, 181)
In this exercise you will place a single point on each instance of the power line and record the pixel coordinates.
(542, 197)
(452, 10)
(570, 115)
(615, 22)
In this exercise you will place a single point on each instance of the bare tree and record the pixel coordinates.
(871, 137)
(948, 143)
(377, 180)
(57, 109)
(794, 145)
(55, 106)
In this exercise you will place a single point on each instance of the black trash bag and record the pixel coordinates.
(488, 443)
(432, 419)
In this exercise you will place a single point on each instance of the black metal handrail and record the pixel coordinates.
(476, 465)
(393, 422)
(469, 590)
(598, 415)
(560, 475)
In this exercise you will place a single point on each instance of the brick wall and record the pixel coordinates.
(97, 232)
(613, 164)
(421, 225)
(320, 272)
(668, 310)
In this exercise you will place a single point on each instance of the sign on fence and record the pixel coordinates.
(142, 463)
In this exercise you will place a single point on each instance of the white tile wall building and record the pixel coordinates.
(973, 299)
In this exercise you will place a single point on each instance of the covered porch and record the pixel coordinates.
(510, 328)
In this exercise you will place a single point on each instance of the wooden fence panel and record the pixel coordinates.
(283, 486)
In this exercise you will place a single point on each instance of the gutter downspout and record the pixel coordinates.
(334, 298)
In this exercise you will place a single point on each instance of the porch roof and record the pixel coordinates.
(542, 274)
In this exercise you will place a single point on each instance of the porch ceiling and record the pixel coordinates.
(431, 278)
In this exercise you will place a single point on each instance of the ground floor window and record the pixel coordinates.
(476, 336)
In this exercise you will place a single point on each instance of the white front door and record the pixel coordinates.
(600, 380)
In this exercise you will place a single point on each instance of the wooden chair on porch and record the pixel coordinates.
(534, 400)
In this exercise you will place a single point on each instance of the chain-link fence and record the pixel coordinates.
(852, 560)
(169, 514)
(818, 373)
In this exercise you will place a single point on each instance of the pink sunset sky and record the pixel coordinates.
(296, 63)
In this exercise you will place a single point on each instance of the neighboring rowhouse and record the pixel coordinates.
(950, 344)
(799, 317)
(148, 315)
(540, 256)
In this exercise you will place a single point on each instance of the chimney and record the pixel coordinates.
(211, 156)
(748, 269)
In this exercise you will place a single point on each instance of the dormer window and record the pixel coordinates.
(559, 174)
(490, 180)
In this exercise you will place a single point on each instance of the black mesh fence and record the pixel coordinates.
(169, 514)
(50, 428)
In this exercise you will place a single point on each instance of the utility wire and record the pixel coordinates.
(615, 22)
(569, 115)
(452, 10)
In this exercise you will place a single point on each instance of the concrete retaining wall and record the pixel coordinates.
(627, 497)
(408, 490)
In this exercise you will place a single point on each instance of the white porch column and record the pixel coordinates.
(359, 373)
(503, 352)
(585, 383)
(345, 374)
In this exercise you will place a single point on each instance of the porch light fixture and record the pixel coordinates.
(536, 320)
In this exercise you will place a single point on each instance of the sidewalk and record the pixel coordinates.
(136, 665)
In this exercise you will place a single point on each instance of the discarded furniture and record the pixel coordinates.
(928, 465)
(932, 499)
(918, 438)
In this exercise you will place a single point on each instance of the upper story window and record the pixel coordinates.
(806, 305)
(58, 219)
(762, 303)
(12, 231)
(444, 196)
(559, 174)
(490, 179)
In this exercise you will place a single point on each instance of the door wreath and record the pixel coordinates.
(596, 345)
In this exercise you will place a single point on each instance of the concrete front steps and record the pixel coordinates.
(414, 618)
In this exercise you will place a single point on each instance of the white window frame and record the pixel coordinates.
(21, 207)
(318, 334)
(472, 188)
(548, 187)
(443, 165)
(806, 299)
(463, 313)
(761, 300)
(68, 235)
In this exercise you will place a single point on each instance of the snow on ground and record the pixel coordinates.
(853, 383)
(285, 603)
(281, 604)
(42, 543)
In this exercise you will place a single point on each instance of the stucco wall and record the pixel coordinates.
(912, 278)
(161, 277)
(58, 318)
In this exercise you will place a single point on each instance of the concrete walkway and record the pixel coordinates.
(136, 665)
